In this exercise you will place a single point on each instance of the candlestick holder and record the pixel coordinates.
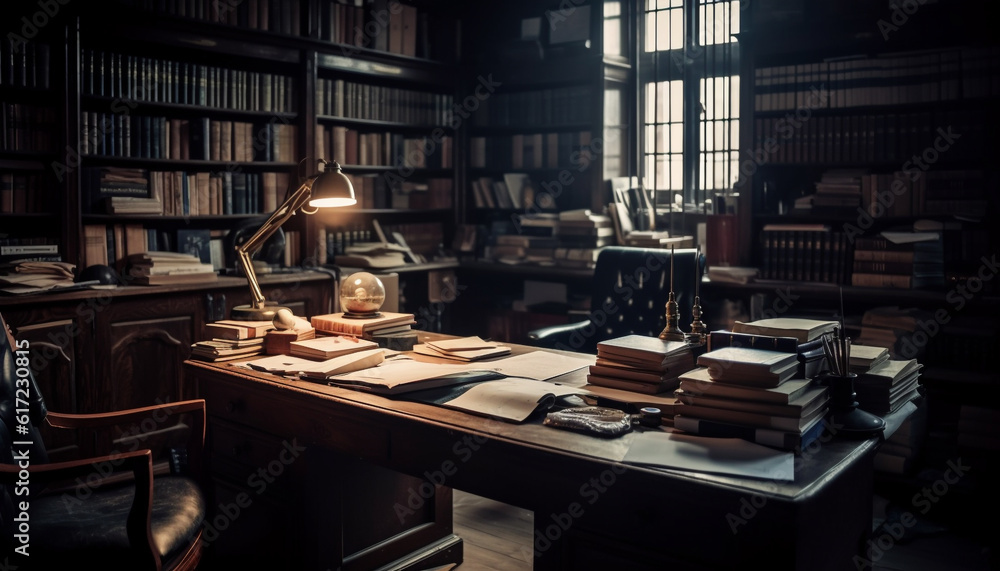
(845, 417)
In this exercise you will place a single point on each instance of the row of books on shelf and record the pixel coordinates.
(531, 150)
(24, 63)
(378, 191)
(961, 192)
(148, 79)
(120, 190)
(354, 147)
(805, 252)
(551, 106)
(867, 137)
(22, 193)
(886, 79)
(353, 100)
(120, 135)
(398, 28)
(274, 16)
(113, 244)
(27, 127)
(919, 260)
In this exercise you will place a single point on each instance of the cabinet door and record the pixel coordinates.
(53, 346)
(143, 365)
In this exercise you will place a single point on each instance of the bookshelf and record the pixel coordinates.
(855, 125)
(30, 141)
(547, 97)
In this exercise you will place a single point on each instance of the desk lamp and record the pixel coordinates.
(330, 188)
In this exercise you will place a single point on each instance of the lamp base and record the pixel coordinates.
(845, 418)
(367, 315)
(854, 422)
(251, 313)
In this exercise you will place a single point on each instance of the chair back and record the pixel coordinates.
(630, 291)
(22, 411)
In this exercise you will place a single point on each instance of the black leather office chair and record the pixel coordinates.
(630, 291)
(105, 509)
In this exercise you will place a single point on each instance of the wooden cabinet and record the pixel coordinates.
(103, 350)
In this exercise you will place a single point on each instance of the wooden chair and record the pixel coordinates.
(630, 291)
(109, 508)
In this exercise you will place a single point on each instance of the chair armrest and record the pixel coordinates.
(99, 424)
(139, 462)
(567, 337)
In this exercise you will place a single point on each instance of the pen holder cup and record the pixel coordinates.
(845, 418)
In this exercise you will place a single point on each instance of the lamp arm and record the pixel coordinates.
(246, 250)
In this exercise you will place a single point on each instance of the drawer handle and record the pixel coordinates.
(234, 405)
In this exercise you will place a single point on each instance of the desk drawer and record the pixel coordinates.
(248, 447)
(314, 421)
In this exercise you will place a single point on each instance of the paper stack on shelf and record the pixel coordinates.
(30, 277)
(640, 364)
(162, 268)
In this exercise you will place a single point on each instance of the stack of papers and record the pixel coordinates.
(32, 276)
(463, 349)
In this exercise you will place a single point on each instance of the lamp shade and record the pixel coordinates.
(332, 188)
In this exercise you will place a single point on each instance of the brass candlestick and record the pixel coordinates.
(672, 332)
(699, 330)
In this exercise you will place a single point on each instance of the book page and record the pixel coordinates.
(510, 399)
(732, 456)
(539, 365)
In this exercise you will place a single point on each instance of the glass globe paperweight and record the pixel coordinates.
(361, 295)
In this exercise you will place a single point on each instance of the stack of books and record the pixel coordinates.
(232, 339)
(640, 364)
(217, 350)
(887, 386)
(163, 268)
(368, 327)
(902, 260)
(838, 192)
(893, 328)
(866, 357)
(585, 229)
(742, 392)
(810, 354)
(807, 332)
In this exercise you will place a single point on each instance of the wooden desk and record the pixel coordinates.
(590, 510)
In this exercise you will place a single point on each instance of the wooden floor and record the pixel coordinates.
(498, 538)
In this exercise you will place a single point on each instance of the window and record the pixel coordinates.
(688, 73)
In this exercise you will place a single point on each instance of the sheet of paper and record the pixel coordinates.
(281, 364)
(539, 365)
(402, 371)
(511, 399)
(732, 456)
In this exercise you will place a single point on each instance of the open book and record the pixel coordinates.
(511, 399)
(401, 376)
